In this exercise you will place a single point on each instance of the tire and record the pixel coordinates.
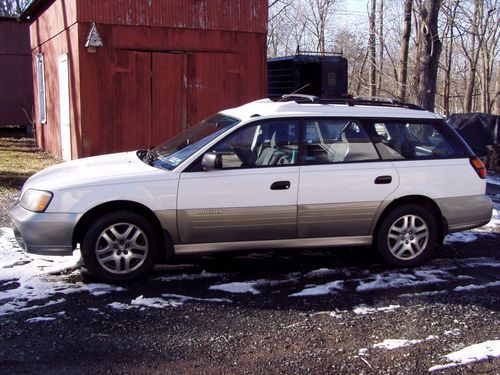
(120, 246)
(407, 236)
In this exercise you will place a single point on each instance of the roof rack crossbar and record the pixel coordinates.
(350, 101)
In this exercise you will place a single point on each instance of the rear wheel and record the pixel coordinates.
(120, 246)
(407, 236)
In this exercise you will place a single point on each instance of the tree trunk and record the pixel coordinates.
(429, 52)
(371, 49)
(471, 81)
(497, 92)
(381, 45)
(449, 58)
(403, 56)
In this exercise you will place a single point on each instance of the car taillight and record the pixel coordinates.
(478, 166)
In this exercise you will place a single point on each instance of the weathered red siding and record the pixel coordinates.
(230, 15)
(165, 65)
(16, 94)
(48, 134)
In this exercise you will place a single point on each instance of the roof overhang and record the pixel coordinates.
(34, 9)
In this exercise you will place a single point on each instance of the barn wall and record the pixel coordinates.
(48, 134)
(149, 81)
(16, 94)
(229, 15)
(134, 87)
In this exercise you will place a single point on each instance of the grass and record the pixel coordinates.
(19, 159)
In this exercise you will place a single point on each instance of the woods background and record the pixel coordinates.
(442, 55)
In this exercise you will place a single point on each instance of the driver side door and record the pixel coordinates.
(250, 197)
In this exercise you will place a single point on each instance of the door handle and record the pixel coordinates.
(280, 185)
(383, 180)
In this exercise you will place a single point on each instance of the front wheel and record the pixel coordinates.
(120, 246)
(407, 236)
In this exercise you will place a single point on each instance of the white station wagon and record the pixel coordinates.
(297, 173)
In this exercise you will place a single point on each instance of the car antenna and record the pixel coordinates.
(296, 91)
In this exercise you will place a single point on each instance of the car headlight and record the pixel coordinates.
(36, 200)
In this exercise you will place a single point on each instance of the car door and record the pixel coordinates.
(342, 180)
(252, 195)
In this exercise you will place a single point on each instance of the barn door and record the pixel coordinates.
(169, 95)
(64, 110)
(212, 85)
(131, 101)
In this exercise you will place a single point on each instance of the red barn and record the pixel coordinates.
(16, 87)
(126, 74)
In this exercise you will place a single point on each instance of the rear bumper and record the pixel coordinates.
(43, 233)
(463, 213)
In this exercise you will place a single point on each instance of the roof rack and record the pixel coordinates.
(349, 100)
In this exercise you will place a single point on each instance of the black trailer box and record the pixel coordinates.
(318, 75)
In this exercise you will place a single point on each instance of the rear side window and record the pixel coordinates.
(416, 140)
(336, 141)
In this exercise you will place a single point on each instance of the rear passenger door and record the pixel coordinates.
(343, 181)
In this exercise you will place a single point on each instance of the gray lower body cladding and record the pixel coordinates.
(463, 213)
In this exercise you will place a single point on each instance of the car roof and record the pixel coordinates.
(271, 109)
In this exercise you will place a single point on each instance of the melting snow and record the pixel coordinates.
(319, 290)
(391, 344)
(364, 310)
(493, 284)
(398, 279)
(237, 287)
(471, 354)
(155, 302)
(30, 278)
(490, 179)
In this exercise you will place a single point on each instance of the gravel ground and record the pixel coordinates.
(192, 317)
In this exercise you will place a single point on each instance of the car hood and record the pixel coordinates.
(104, 169)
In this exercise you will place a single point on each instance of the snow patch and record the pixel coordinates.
(319, 290)
(36, 278)
(155, 302)
(364, 309)
(492, 284)
(391, 344)
(182, 298)
(237, 287)
(40, 319)
(387, 280)
(471, 354)
(494, 180)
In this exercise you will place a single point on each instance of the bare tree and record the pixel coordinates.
(372, 48)
(403, 56)
(448, 36)
(13, 8)
(381, 45)
(428, 52)
(497, 92)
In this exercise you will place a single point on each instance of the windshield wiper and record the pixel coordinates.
(148, 155)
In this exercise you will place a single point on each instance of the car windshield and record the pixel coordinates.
(177, 149)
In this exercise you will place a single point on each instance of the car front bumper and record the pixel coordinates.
(43, 233)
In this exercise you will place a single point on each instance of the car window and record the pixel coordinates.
(262, 144)
(336, 141)
(416, 140)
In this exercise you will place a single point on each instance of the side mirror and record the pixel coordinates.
(211, 161)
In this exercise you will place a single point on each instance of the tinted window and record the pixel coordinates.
(416, 140)
(269, 143)
(336, 141)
